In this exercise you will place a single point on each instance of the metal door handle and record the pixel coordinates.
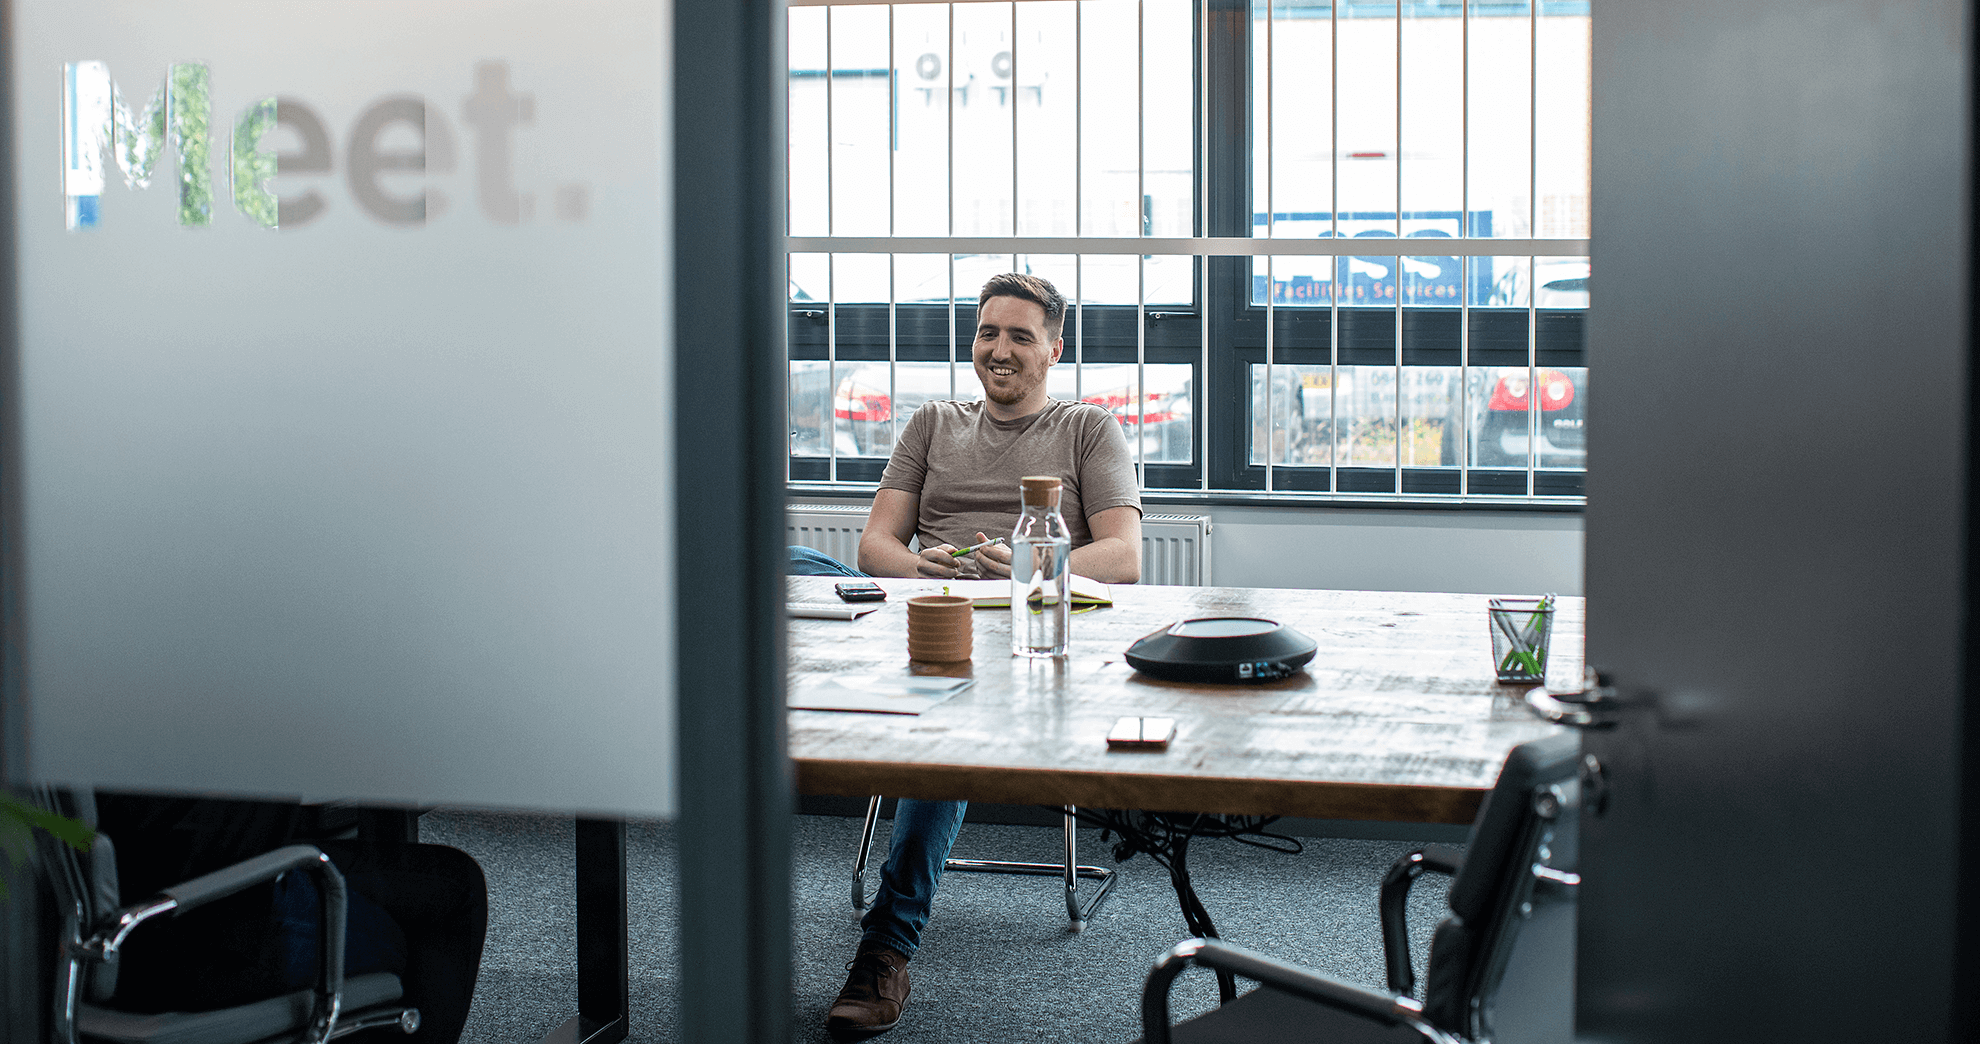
(1593, 707)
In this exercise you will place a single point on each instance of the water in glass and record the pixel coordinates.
(1040, 575)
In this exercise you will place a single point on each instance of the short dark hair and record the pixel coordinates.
(1038, 291)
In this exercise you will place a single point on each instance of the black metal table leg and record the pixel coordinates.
(1195, 915)
(1165, 836)
(604, 973)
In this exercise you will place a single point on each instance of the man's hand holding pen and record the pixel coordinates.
(988, 557)
(993, 557)
(939, 562)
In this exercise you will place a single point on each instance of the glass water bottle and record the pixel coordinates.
(1040, 577)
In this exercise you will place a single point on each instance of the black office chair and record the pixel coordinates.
(95, 925)
(1501, 963)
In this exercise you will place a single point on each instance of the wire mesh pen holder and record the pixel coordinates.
(1522, 630)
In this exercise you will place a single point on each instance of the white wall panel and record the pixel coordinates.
(377, 504)
(1361, 549)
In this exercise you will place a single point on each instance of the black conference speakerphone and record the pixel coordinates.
(1229, 649)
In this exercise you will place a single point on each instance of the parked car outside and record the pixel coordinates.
(864, 409)
(1559, 440)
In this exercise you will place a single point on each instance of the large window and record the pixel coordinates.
(1187, 172)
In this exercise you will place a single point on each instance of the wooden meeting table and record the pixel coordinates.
(1397, 718)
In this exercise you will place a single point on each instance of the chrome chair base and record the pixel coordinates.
(406, 1020)
(1079, 909)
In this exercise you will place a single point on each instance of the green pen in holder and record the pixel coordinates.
(1522, 628)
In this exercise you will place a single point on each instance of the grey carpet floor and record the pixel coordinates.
(997, 961)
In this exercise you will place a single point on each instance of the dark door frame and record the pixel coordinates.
(21, 1015)
(1790, 847)
(735, 781)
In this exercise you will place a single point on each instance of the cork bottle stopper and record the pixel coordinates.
(1039, 490)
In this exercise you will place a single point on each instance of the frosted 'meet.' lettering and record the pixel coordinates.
(97, 120)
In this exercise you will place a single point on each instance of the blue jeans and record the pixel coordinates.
(923, 832)
(806, 562)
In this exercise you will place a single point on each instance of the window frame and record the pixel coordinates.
(1228, 332)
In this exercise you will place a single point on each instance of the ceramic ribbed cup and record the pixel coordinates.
(940, 628)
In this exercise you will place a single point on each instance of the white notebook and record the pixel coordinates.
(874, 693)
(829, 610)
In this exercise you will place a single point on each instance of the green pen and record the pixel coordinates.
(993, 541)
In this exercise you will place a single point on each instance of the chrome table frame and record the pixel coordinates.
(1077, 911)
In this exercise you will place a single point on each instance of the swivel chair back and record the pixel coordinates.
(1512, 913)
(1501, 962)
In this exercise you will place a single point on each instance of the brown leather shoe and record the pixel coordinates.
(875, 992)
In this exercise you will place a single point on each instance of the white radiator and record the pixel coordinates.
(1175, 549)
(830, 528)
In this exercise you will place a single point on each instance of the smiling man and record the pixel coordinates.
(953, 477)
(953, 482)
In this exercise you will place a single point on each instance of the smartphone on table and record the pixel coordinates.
(862, 591)
(1141, 733)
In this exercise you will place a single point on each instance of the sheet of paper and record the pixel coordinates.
(830, 610)
(874, 694)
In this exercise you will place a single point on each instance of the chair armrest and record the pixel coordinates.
(1277, 974)
(245, 874)
(1395, 897)
(190, 895)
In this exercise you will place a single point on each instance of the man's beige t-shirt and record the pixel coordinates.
(965, 465)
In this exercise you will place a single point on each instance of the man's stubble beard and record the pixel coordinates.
(1010, 398)
(1020, 389)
